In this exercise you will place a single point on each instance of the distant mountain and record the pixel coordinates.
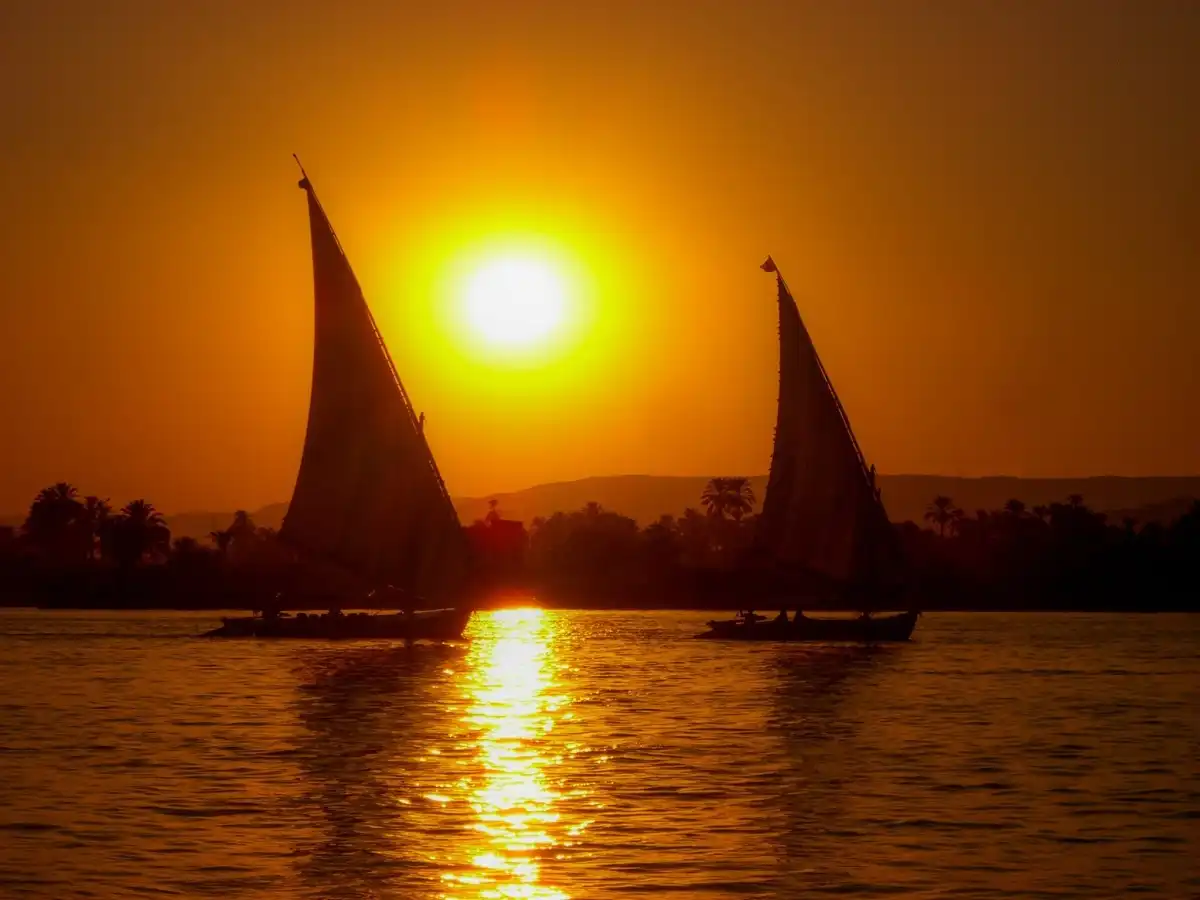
(1163, 513)
(642, 497)
(200, 524)
(646, 497)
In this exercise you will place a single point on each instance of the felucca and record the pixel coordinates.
(823, 530)
(369, 505)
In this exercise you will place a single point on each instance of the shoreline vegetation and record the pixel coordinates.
(79, 552)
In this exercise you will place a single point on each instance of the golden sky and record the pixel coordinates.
(989, 212)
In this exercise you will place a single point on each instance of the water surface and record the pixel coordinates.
(600, 755)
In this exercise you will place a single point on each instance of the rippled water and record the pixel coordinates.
(596, 755)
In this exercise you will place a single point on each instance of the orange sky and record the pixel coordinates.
(989, 213)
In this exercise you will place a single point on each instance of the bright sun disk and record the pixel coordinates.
(514, 301)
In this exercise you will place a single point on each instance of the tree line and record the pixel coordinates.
(1061, 555)
(81, 550)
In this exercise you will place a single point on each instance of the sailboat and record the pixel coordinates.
(369, 513)
(823, 531)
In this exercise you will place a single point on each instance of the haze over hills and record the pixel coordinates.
(646, 497)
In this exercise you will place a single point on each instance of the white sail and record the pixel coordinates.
(822, 514)
(368, 496)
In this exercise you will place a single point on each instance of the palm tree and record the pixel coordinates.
(240, 537)
(187, 546)
(52, 525)
(242, 529)
(1015, 508)
(221, 539)
(593, 510)
(58, 492)
(137, 531)
(730, 496)
(942, 512)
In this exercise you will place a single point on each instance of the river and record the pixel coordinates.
(598, 755)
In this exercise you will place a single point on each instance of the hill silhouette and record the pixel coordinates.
(646, 497)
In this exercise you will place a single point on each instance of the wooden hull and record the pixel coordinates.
(878, 628)
(431, 625)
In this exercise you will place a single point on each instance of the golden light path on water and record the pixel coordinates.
(513, 704)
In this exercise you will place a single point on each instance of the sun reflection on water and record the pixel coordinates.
(513, 703)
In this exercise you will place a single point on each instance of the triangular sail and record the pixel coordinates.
(368, 496)
(822, 514)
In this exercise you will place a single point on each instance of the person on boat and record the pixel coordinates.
(750, 617)
(782, 618)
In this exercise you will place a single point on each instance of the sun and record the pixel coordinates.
(513, 301)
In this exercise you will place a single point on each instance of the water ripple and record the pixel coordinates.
(598, 755)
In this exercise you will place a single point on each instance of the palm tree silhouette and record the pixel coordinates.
(57, 492)
(53, 523)
(242, 532)
(221, 539)
(730, 496)
(942, 512)
(1015, 508)
(187, 546)
(138, 531)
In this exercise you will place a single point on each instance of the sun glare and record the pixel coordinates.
(514, 301)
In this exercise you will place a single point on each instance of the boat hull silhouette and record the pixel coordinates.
(877, 628)
(428, 625)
